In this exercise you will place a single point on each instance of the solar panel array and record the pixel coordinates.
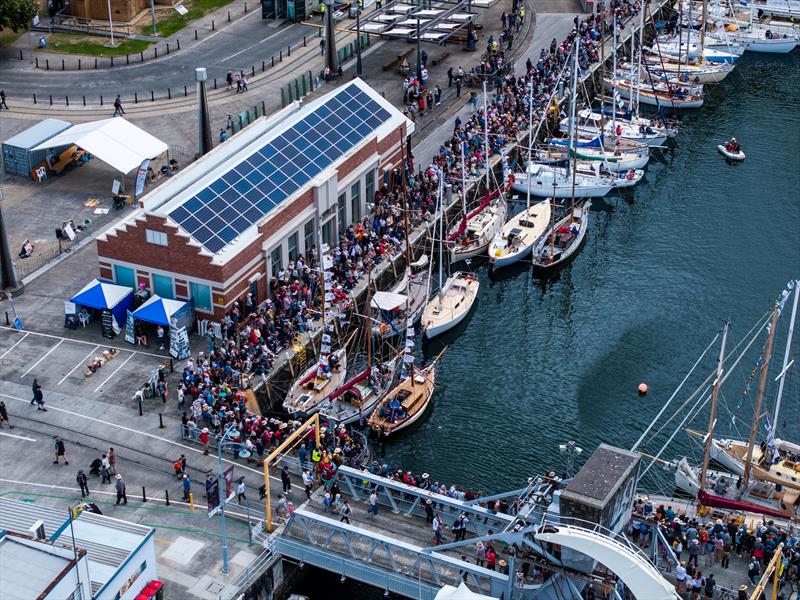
(215, 215)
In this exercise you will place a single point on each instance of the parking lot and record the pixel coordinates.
(60, 364)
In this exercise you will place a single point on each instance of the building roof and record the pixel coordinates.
(221, 210)
(108, 542)
(38, 133)
(602, 474)
(19, 554)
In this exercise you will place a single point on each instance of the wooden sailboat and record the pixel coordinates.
(323, 378)
(455, 297)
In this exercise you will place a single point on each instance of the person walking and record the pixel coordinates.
(222, 136)
(436, 525)
(38, 396)
(121, 490)
(204, 440)
(480, 554)
(321, 46)
(4, 416)
(285, 480)
(240, 492)
(373, 504)
(229, 80)
(345, 511)
(83, 482)
(60, 450)
(308, 482)
(187, 487)
(3, 100)
(105, 469)
(112, 461)
(244, 82)
(118, 110)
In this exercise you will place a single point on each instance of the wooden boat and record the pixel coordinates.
(358, 397)
(451, 305)
(564, 239)
(517, 237)
(473, 234)
(308, 392)
(658, 94)
(730, 155)
(407, 402)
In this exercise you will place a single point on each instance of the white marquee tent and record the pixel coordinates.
(115, 141)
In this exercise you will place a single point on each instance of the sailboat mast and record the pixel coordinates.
(703, 25)
(530, 134)
(573, 142)
(688, 35)
(602, 73)
(614, 76)
(760, 398)
(639, 59)
(463, 179)
(786, 357)
(486, 137)
(369, 318)
(441, 219)
(405, 223)
(712, 417)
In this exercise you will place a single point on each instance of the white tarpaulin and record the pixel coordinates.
(462, 592)
(115, 141)
(388, 300)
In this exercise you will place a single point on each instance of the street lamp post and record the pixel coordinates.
(419, 58)
(358, 38)
(153, 14)
(111, 24)
(221, 490)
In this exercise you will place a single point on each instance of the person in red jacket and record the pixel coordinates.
(204, 439)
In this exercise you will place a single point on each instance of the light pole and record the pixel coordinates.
(221, 490)
(111, 25)
(358, 38)
(153, 14)
(419, 58)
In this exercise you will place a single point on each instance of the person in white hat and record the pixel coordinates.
(121, 489)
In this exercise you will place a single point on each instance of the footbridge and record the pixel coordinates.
(395, 549)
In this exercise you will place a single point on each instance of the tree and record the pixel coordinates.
(17, 14)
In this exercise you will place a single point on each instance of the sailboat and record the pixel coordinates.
(455, 297)
(659, 93)
(517, 237)
(472, 235)
(404, 304)
(357, 397)
(405, 404)
(323, 378)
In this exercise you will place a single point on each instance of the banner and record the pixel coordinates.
(212, 494)
(130, 336)
(141, 178)
(227, 475)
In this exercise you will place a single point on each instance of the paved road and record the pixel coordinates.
(238, 46)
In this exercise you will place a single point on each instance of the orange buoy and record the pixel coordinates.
(642, 388)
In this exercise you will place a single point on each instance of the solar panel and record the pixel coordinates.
(215, 215)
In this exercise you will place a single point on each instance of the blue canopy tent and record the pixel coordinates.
(106, 296)
(166, 312)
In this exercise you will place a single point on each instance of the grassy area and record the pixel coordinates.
(8, 37)
(173, 22)
(90, 45)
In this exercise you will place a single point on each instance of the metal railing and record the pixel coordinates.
(26, 266)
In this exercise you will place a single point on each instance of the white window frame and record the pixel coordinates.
(159, 238)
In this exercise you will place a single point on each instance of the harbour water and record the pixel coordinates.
(541, 363)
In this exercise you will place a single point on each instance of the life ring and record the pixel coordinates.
(384, 328)
(629, 175)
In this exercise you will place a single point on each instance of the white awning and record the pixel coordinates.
(388, 300)
(115, 141)
(462, 592)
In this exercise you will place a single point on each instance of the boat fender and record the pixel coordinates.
(643, 388)
(629, 176)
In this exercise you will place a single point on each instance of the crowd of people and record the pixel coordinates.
(702, 545)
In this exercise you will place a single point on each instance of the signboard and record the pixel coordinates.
(179, 343)
(18, 323)
(70, 308)
(130, 335)
(141, 177)
(212, 494)
(181, 9)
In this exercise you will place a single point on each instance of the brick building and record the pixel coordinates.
(229, 221)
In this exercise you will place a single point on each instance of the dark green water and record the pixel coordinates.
(539, 364)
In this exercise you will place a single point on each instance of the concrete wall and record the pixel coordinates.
(121, 10)
(131, 578)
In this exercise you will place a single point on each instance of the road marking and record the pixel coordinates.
(58, 337)
(224, 28)
(19, 341)
(78, 365)
(144, 433)
(114, 372)
(269, 37)
(19, 437)
(41, 359)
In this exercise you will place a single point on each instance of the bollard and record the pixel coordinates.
(95, 63)
(263, 66)
(166, 497)
(280, 56)
(195, 34)
(160, 421)
(84, 100)
(101, 101)
(144, 495)
(152, 96)
(79, 64)
(155, 51)
(112, 61)
(191, 501)
(185, 91)
(51, 100)
(169, 94)
(136, 97)
(127, 59)
(215, 83)
(47, 62)
(141, 402)
(229, 16)
(320, 32)
(245, 10)
(253, 71)
(37, 62)
(289, 51)
(179, 44)
(212, 24)
(304, 40)
(273, 61)
(7, 321)
(67, 99)
(62, 64)
(20, 52)
(167, 47)
(141, 56)
(34, 98)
